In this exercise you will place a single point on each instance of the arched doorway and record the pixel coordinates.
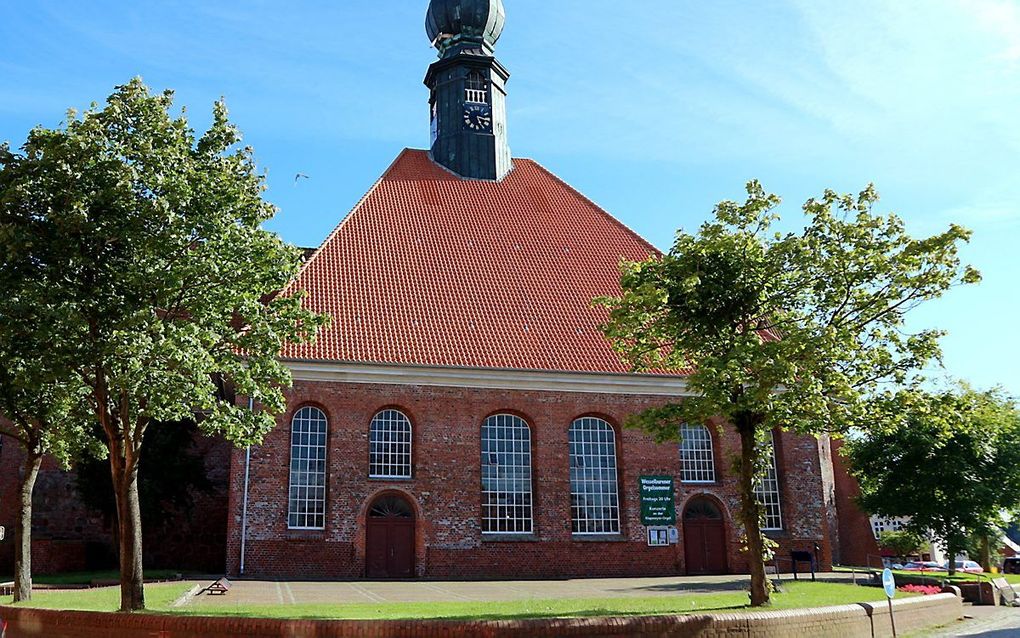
(704, 537)
(389, 543)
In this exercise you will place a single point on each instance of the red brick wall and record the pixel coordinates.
(857, 544)
(68, 536)
(196, 540)
(445, 488)
(63, 529)
(9, 462)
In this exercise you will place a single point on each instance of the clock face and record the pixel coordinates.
(478, 117)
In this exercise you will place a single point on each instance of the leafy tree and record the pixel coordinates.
(949, 461)
(35, 411)
(36, 395)
(901, 543)
(776, 330)
(161, 281)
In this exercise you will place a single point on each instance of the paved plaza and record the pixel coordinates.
(259, 592)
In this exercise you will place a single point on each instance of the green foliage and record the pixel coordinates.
(799, 328)
(793, 331)
(901, 542)
(37, 392)
(949, 461)
(154, 275)
(153, 283)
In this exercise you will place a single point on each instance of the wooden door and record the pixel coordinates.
(389, 546)
(694, 548)
(704, 538)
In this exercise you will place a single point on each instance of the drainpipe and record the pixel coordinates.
(244, 504)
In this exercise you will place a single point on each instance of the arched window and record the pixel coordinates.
(767, 490)
(476, 88)
(594, 498)
(506, 475)
(697, 462)
(389, 445)
(307, 503)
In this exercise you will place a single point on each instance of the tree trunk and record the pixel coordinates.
(23, 528)
(129, 528)
(951, 552)
(750, 514)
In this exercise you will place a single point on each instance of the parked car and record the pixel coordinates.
(923, 566)
(967, 566)
(1011, 565)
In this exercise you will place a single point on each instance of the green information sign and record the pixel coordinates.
(657, 504)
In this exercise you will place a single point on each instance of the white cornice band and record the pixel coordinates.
(489, 378)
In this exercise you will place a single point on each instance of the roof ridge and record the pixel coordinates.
(591, 203)
(350, 213)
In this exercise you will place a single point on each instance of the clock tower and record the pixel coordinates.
(468, 88)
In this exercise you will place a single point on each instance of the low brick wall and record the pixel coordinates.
(846, 621)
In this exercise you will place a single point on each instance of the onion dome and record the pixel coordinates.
(475, 21)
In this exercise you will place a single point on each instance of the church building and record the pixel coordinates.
(461, 416)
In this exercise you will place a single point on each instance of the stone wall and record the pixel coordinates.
(445, 489)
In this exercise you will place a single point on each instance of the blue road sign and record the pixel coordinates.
(889, 583)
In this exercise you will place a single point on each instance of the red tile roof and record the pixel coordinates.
(432, 269)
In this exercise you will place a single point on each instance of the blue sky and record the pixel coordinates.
(656, 109)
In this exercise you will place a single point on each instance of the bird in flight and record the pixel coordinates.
(300, 176)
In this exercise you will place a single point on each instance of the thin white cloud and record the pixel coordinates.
(1000, 18)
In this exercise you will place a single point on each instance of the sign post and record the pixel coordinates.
(889, 584)
(658, 506)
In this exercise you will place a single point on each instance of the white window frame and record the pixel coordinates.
(502, 458)
(309, 431)
(881, 524)
(767, 491)
(697, 455)
(473, 94)
(593, 474)
(390, 441)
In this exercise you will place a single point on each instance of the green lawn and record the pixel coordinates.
(798, 595)
(159, 598)
(1013, 579)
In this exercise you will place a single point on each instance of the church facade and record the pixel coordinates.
(462, 415)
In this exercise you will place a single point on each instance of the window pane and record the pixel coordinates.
(697, 463)
(389, 444)
(506, 475)
(594, 497)
(307, 494)
(767, 490)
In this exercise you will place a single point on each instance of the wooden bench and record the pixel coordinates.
(220, 587)
(1006, 592)
(7, 589)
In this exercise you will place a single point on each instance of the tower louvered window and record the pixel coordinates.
(389, 442)
(506, 475)
(476, 88)
(594, 497)
(306, 507)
